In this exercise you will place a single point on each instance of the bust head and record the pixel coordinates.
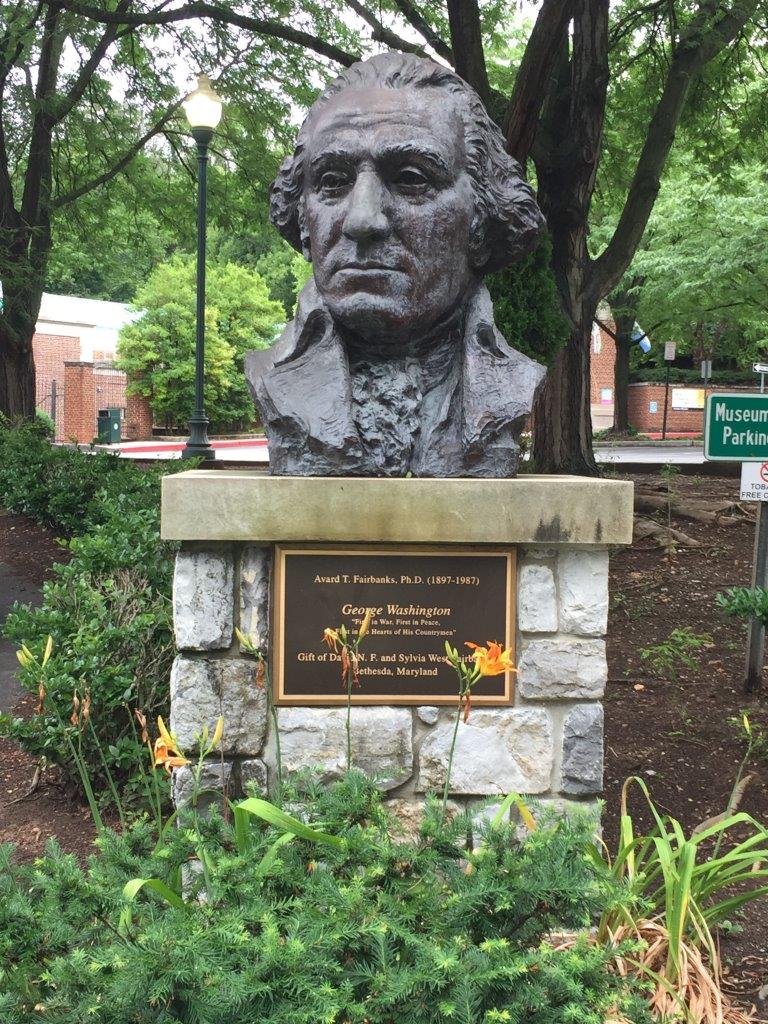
(402, 195)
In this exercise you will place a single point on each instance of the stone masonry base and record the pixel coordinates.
(548, 745)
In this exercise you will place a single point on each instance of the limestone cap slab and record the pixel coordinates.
(248, 505)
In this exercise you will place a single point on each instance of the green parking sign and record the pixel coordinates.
(736, 427)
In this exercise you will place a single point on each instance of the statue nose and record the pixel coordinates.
(366, 216)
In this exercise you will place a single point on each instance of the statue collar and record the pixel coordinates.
(302, 389)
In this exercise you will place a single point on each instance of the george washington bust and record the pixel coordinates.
(401, 194)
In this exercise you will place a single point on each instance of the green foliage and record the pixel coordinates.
(526, 305)
(704, 262)
(681, 880)
(368, 930)
(745, 603)
(108, 609)
(691, 378)
(158, 350)
(667, 658)
(46, 423)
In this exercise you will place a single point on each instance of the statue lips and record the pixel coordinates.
(363, 271)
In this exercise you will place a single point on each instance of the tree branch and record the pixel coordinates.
(88, 69)
(522, 116)
(416, 20)
(119, 165)
(381, 34)
(37, 180)
(203, 9)
(467, 45)
(710, 31)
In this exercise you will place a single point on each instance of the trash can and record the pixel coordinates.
(109, 426)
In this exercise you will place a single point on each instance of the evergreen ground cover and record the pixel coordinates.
(364, 930)
(108, 609)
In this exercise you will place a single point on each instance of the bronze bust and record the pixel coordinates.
(401, 194)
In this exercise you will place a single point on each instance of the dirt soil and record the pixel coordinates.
(677, 730)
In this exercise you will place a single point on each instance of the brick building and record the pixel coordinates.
(601, 376)
(645, 402)
(74, 348)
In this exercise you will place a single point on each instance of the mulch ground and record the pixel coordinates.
(680, 734)
(31, 550)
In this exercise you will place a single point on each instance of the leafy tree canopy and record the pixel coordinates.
(158, 350)
(705, 264)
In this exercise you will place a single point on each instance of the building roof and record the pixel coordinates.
(71, 309)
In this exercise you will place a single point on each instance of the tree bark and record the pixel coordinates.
(624, 326)
(17, 379)
(467, 44)
(566, 157)
(562, 434)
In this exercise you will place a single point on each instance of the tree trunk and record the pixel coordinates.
(17, 381)
(18, 317)
(566, 153)
(562, 422)
(621, 422)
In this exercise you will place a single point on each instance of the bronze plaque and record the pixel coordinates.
(420, 598)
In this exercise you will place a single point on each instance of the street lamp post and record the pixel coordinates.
(203, 110)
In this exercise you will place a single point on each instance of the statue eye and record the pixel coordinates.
(411, 180)
(332, 182)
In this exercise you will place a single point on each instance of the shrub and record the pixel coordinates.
(745, 603)
(367, 931)
(45, 423)
(108, 609)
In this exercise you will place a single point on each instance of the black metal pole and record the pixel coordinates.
(756, 634)
(666, 402)
(198, 445)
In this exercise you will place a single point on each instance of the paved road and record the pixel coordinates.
(13, 588)
(652, 454)
(256, 452)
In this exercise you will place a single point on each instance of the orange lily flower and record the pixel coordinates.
(166, 752)
(492, 660)
(345, 663)
(331, 637)
(168, 757)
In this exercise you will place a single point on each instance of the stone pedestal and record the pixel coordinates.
(548, 744)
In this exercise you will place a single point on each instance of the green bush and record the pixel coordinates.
(745, 603)
(370, 931)
(45, 423)
(108, 608)
(691, 377)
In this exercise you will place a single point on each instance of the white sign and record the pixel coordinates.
(669, 351)
(760, 367)
(754, 481)
(688, 398)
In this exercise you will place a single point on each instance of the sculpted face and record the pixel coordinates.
(388, 209)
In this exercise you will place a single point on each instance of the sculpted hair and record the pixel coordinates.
(507, 221)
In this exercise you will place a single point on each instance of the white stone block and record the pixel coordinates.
(497, 751)
(211, 788)
(382, 742)
(253, 777)
(428, 715)
(583, 587)
(255, 571)
(537, 600)
(562, 668)
(204, 688)
(582, 767)
(203, 583)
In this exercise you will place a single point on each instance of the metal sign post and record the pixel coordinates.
(736, 429)
(762, 369)
(754, 487)
(669, 357)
